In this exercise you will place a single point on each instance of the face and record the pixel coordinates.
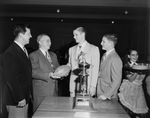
(105, 43)
(77, 36)
(26, 36)
(45, 43)
(133, 55)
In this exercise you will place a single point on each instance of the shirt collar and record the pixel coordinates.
(82, 45)
(133, 63)
(108, 52)
(20, 45)
(43, 51)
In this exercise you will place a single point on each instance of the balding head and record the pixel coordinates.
(44, 41)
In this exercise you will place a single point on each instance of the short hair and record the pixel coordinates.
(20, 28)
(39, 37)
(81, 30)
(111, 37)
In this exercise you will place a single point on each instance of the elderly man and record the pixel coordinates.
(44, 63)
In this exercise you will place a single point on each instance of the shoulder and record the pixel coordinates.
(116, 57)
(34, 53)
(92, 46)
(52, 53)
(73, 47)
(126, 64)
(11, 51)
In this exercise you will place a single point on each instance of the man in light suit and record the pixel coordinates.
(110, 74)
(92, 56)
(44, 63)
(18, 74)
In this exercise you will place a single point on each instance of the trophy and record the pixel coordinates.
(82, 97)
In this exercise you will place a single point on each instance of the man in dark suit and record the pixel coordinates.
(44, 63)
(18, 74)
(110, 74)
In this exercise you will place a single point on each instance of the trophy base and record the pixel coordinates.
(83, 103)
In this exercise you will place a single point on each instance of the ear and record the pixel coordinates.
(83, 34)
(20, 34)
(40, 42)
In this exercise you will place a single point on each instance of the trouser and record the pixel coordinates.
(72, 94)
(15, 112)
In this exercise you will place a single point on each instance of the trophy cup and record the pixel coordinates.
(82, 97)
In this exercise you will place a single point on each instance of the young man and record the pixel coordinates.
(92, 56)
(110, 74)
(18, 74)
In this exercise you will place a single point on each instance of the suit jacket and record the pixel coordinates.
(92, 56)
(110, 76)
(18, 75)
(43, 85)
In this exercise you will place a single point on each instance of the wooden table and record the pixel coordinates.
(62, 107)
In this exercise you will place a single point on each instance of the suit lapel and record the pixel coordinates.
(44, 59)
(20, 50)
(107, 58)
(86, 48)
(42, 56)
(22, 55)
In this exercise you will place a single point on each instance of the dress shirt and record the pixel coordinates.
(43, 51)
(80, 49)
(22, 47)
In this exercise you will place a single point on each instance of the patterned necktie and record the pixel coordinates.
(49, 58)
(24, 49)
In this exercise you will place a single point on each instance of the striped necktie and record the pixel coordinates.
(79, 52)
(49, 58)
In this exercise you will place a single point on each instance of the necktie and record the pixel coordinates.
(49, 58)
(103, 57)
(79, 51)
(24, 49)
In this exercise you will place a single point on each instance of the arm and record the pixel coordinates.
(69, 59)
(148, 84)
(132, 76)
(95, 69)
(12, 66)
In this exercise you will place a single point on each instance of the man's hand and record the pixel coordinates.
(53, 76)
(22, 103)
(102, 97)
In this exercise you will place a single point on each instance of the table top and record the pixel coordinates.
(62, 107)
